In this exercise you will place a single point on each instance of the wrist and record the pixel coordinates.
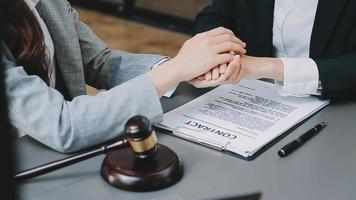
(172, 71)
(164, 77)
(274, 69)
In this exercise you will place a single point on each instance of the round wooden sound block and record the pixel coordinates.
(123, 170)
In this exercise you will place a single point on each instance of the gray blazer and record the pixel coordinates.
(83, 121)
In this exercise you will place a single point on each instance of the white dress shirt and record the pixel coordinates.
(292, 29)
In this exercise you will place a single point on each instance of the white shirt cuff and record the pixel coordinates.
(170, 92)
(301, 78)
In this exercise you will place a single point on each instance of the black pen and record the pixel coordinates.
(295, 144)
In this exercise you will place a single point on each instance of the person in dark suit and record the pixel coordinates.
(307, 46)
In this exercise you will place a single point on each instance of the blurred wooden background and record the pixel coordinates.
(131, 36)
(181, 8)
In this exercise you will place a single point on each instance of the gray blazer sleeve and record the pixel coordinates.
(68, 126)
(106, 68)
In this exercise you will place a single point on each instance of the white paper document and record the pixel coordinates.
(239, 118)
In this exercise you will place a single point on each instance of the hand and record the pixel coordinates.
(215, 73)
(248, 68)
(229, 76)
(205, 51)
(197, 56)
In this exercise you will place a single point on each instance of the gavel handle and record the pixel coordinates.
(52, 166)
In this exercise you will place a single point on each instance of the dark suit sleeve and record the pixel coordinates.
(219, 13)
(338, 77)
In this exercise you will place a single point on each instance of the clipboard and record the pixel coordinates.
(213, 113)
(223, 147)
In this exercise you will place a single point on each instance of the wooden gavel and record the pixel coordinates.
(145, 166)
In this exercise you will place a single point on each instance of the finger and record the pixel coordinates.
(222, 59)
(222, 68)
(208, 76)
(201, 78)
(195, 82)
(223, 79)
(229, 46)
(218, 31)
(233, 53)
(200, 84)
(215, 73)
(236, 70)
(229, 70)
(227, 37)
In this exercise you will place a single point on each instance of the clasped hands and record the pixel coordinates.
(241, 66)
(213, 58)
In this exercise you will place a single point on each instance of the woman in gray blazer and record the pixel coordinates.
(51, 55)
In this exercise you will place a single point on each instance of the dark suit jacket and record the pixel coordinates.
(333, 42)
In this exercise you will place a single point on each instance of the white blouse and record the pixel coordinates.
(292, 29)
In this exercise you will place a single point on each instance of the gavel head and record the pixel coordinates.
(142, 138)
(153, 166)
